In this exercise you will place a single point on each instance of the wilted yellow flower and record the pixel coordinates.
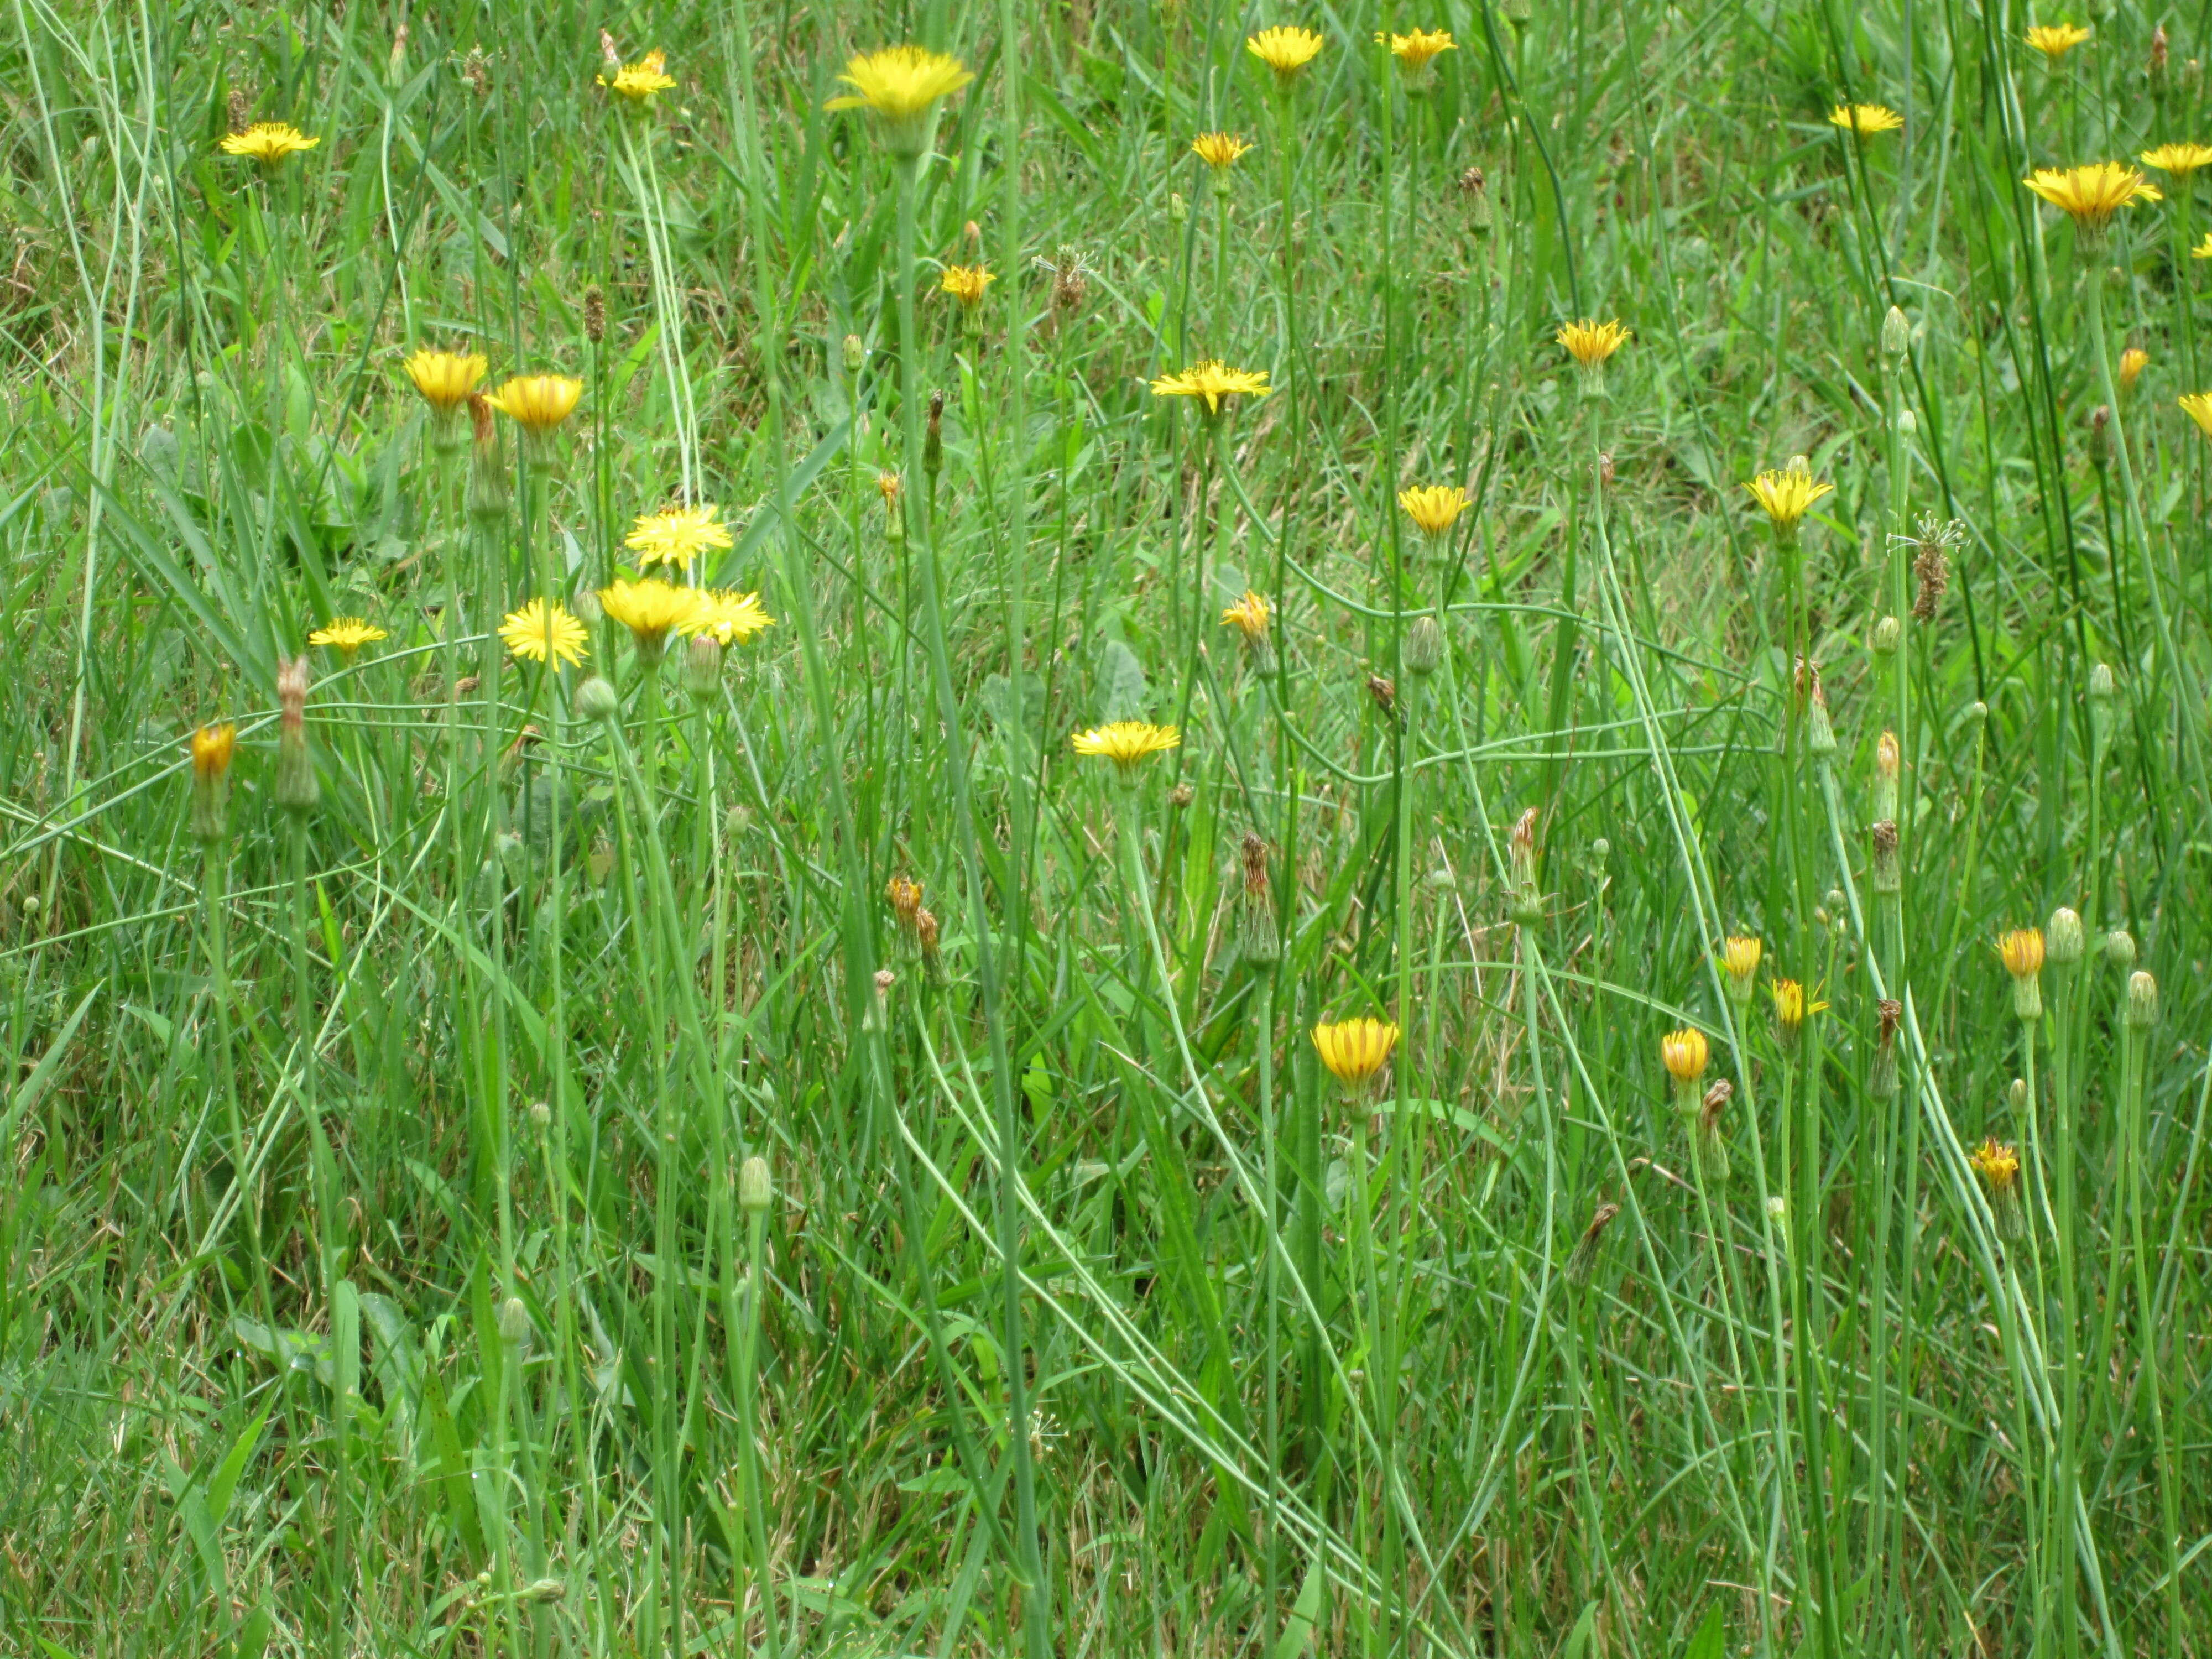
(2180, 160)
(537, 403)
(1218, 151)
(2055, 41)
(2090, 195)
(1590, 343)
(1125, 743)
(445, 378)
(2199, 407)
(1683, 1054)
(1788, 494)
(651, 610)
(641, 81)
(1355, 1050)
(2133, 362)
(543, 631)
(726, 617)
(269, 141)
(903, 85)
(1285, 50)
(1434, 508)
(676, 535)
(1740, 955)
(1863, 121)
(1213, 381)
(1249, 617)
(966, 283)
(347, 635)
(1997, 1165)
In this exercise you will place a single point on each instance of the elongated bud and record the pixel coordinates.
(1527, 904)
(1712, 1147)
(926, 939)
(1475, 190)
(1583, 1260)
(1178, 210)
(212, 746)
(754, 1191)
(2156, 73)
(1820, 730)
(2017, 1094)
(595, 314)
(514, 1323)
(1881, 1073)
(487, 499)
(702, 666)
(297, 789)
(1896, 333)
(1424, 649)
(933, 438)
(2063, 939)
(2101, 436)
(1258, 939)
(395, 66)
(2142, 1001)
(2104, 695)
(1885, 876)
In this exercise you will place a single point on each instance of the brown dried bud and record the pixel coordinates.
(1385, 693)
(1584, 1257)
(904, 893)
(1255, 864)
(2101, 436)
(1521, 860)
(595, 313)
(1181, 795)
(477, 70)
(1885, 878)
(297, 790)
(241, 111)
(926, 937)
(1605, 469)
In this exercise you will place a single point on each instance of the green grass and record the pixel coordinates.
(374, 1274)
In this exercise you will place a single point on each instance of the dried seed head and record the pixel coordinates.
(1527, 904)
(1255, 851)
(1181, 795)
(1583, 1258)
(1385, 693)
(1886, 876)
(595, 313)
(241, 110)
(477, 70)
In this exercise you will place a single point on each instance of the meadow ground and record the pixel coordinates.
(1003, 850)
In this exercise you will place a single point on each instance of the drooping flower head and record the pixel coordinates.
(652, 609)
(643, 81)
(2132, 363)
(1355, 1051)
(544, 631)
(1214, 381)
(1285, 50)
(726, 617)
(2091, 194)
(346, 635)
(903, 86)
(269, 141)
(1218, 151)
(676, 535)
(1127, 744)
(1589, 344)
(1417, 54)
(2180, 160)
(1434, 508)
(1863, 121)
(1787, 494)
(2055, 41)
(966, 283)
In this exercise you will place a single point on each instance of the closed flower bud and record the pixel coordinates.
(926, 937)
(1888, 762)
(1178, 210)
(596, 700)
(1886, 632)
(514, 1323)
(2120, 949)
(541, 1115)
(1819, 733)
(854, 354)
(2156, 72)
(2142, 1001)
(1896, 333)
(1527, 904)
(2022, 953)
(932, 439)
(212, 746)
(1258, 939)
(1712, 1147)
(1881, 1073)
(1424, 649)
(1977, 713)
(486, 497)
(297, 789)
(702, 666)
(2101, 436)
(753, 1193)
(1582, 1262)
(2017, 1094)
(2063, 939)
(1474, 188)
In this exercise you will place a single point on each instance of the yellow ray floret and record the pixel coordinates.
(900, 82)
(1355, 1050)
(1997, 1165)
(1212, 380)
(211, 750)
(1683, 1054)
(1249, 617)
(2198, 407)
(543, 632)
(726, 617)
(2055, 41)
(537, 403)
(651, 610)
(1218, 151)
(2021, 951)
(347, 635)
(269, 141)
(1414, 50)
(2132, 363)
(1590, 343)
(641, 81)
(2180, 160)
(445, 378)
(1125, 743)
(1864, 120)
(1790, 1006)
(1740, 955)
(1788, 494)
(676, 535)
(1434, 508)
(1285, 50)
(966, 283)
(2090, 195)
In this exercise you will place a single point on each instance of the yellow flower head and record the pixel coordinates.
(903, 85)
(966, 283)
(2204, 249)
(1416, 50)
(1863, 121)
(728, 617)
(641, 81)
(1997, 1165)
(676, 535)
(1285, 50)
(904, 893)
(1126, 743)
(347, 635)
(1791, 1006)
(888, 486)
(2055, 41)
(445, 378)
(1213, 381)
(652, 609)
(1590, 343)
(2021, 951)
(537, 403)
(543, 631)
(1355, 1050)
(2180, 160)
(1788, 494)
(1249, 617)
(1740, 955)
(2199, 407)
(2090, 195)
(2133, 362)
(1683, 1054)
(269, 141)
(1218, 151)
(1434, 508)
(212, 751)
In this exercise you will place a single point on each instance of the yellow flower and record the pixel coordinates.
(1683, 1054)
(2180, 160)
(726, 617)
(537, 403)
(1218, 151)
(676, 535)
(651, 610)
(445, 378)
(640, 81)
(1125, 743)
(2199, 407)
(1249, 617)
(1788, 494)
(1212, 380)
(347, 635)
(2204, 249)
(1434, 508)
(269, 141)
(212, 751)
(1590, 343)
(1863, 121)
(1790, 1006)
(2055, 41)
(1284, 50)
(1740, 955)
(888, 486)
(542, 632)
(2090, 195)
(903, 85)
(2021, 951)
(1997, 1165)
(1355, 1050)
(2133, 362)
(1414, 50)
(966, 283)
